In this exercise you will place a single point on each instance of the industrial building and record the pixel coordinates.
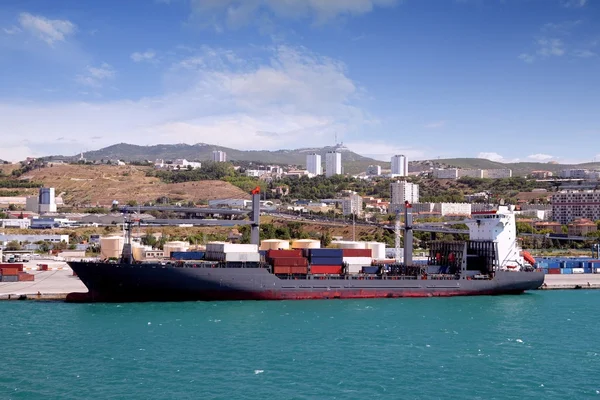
(4, 238)
(399, 165)
(374, 170)
(353, 204)
(44, 202)
(568, 206)
(20, 223)
(403, 191)
(313, 164)
(219, 156)
(333, 163)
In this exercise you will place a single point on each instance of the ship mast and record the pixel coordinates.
(397, 237)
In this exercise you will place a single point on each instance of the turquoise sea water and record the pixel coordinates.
(542, 345)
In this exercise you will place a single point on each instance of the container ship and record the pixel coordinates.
(488, 263)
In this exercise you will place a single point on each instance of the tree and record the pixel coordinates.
(13, 245)
(326, 239)
(149, 240)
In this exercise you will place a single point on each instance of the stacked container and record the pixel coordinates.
(9, 274)
(230, 252)
(287, 262)
(187, 255)
(325, 261)
(356, 259)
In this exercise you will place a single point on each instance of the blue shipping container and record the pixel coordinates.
(326, 253)
(370, 270)
(326, 260)
(187, 255)
(566, 271)
(587, 270)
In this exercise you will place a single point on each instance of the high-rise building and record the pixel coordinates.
(313, 164)
(219, 156)
(333, 163)
(568, 206)
(352, 205)
(399, 165)
(403, 191)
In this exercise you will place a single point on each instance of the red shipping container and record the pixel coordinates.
(25, 277)
(326, 269)
(290, 270)
(357, 252)
(289, 262)
(12, 265)
(284, 253)
(9, 271)
(43, 267)
(554, 271)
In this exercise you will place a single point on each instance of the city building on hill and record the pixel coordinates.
(313, 164)
(399, 165)
(541, 174)
(219, 156)
(352, 205)
(373, 170)
(574, 173)
(401, 192)
(568, 206)
(443, 173)
(581, 227)
(497, 173)
(333, 163)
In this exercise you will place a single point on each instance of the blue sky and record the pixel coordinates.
(501, 79)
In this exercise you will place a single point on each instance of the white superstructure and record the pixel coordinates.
(313, 164)
(500, 227)
(333, 163)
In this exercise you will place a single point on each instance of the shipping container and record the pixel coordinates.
(25, 277)
(588, 270)
(12, 265)
(222, 247)
(370, 270)
(578, 270)
(325, 253)
(290, 270)
(326, 261)
(358, 260)
(284, 253)
(326, 269)
(354, 268)
(554, 271)
(187, 255)
(566, 271)
(289, 262)
(9, 278)
(9, 271)
(357, 253)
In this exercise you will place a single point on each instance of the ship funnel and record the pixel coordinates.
(408, 234)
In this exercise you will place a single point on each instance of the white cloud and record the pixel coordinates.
(384, 151)
(49, 30)
(550, 47)
(528, 58)
(148, 55)
(436, 124)
(95, 75)
(13, 30)
(224, 100)
(540, 157)
(574, 3)
(496, 157)
(235, 14)
(584, 53)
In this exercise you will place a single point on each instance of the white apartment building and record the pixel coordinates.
(182, 163)
(313, 164)
(352, 205)
(373, 170)
(574, 173)
(570, 205)
(440, 173)
(399, 165)
(333, 163)
(471, 173)
(403, 191)
(497, 173)
(219, 156)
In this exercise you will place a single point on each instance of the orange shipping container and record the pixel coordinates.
(290, 270)
(326, 269)
(9, 271)
(357, 252)
(12, 265)
(25, 277)
(284, 253)
(290, 262)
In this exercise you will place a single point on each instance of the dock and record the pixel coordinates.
(574, 281)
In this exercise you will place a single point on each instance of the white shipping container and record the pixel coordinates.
(355, 268)
(223, 247)
(358, 260)
(242, 257)
(578, 270)
(597, 270)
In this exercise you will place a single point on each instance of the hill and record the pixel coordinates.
(87, 185)
(352, 162)
(519, 168)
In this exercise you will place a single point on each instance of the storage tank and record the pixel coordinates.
(274, 244)
(347, 244)
(306, 244)
(174, 246)
(138, 251)
(378, 250)
(111, 246)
